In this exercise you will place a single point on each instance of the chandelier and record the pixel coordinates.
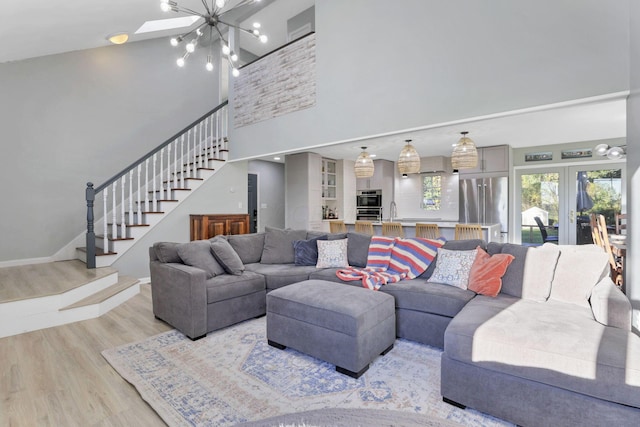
(213, 17)
(465, 154)
(409, 160)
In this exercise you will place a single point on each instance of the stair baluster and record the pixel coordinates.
(131, 198)
(123, 225)
(105, 229)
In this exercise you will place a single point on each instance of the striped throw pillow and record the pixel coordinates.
(380, 252)
(413, 255)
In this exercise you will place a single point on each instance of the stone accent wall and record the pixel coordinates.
(280, 83)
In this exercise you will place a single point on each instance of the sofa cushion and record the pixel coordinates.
(512, 279)
(578, 270)
(167, 251)
(248, 246)
(279, 275)
(278, 245)
(610, 306)
(358, 249)
(454, 245)
(549, 342)
(332, 253)
(198, 254)
(434, 298)
(305, 252)
(226, 256)
(539, 269)
(486, 272)
(227, 286)
(453, 268)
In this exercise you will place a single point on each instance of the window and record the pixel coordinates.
(431, 192)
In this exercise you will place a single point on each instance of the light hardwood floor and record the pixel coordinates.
(57, 376)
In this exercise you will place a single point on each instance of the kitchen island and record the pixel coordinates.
(490, 232)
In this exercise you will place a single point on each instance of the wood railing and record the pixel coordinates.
(141, 186)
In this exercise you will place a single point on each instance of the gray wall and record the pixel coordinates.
(633, 168)
(83, 116)
(270, 193)
(383, 69)
(224, 193)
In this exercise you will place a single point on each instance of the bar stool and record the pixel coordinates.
(468, 231)
(427, 231)
(392, 229)
(337, 227)
(364, 227)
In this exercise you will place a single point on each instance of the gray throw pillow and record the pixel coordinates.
(512, 281)
(358, 249)
(167, 251)
(278, 245)
(226, 256)
(198, 254)
(306, 251)
(247, 246)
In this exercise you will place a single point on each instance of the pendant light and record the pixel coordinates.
(465, 154)
(409, 160)
(364, 165)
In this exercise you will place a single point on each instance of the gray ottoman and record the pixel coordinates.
(344, 325)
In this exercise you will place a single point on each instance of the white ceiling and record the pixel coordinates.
(31, 28)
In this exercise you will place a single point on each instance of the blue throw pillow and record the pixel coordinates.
(306, 251)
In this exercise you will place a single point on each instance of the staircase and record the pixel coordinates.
(128, 205)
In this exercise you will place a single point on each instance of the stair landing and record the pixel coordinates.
(39, 296)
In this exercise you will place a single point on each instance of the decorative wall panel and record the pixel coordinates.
(280, 83)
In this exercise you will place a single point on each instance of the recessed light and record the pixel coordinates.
(118, 38)
(167, 24)
(372, 155)
(276, 158)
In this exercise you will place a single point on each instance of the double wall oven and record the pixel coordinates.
(369, 205)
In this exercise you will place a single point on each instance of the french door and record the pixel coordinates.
(563, 197)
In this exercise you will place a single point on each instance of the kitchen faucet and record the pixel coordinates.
(393, 211)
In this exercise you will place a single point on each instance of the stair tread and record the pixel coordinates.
(146, 212)
(111, 239)
(99, 251)
(124, 282)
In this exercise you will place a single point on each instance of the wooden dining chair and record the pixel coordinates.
(615, 264)
(337, 227)
(468, 231)
(392, 229)
(595, 230)
(364, 227)
(427, 231)
(621, 223)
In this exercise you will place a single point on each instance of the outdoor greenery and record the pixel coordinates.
(541, 190)
(431, 192)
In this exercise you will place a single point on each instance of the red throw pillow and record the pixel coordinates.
(486, 272)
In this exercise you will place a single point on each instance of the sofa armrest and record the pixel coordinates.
(179, 296)
(610, 306)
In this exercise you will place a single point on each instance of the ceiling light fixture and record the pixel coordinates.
(364, 165)
(612, 153)
(118, 38)
(409, 159)
(213, 18)
(465, 154)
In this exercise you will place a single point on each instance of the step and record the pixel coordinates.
(124, 283)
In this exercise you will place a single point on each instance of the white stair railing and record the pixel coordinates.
(152, 178)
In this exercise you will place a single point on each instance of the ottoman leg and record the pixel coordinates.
(276, 345)
(352, 374)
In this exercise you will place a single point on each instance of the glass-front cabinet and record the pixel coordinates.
(329, 189)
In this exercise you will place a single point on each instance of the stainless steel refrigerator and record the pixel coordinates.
(485, 201)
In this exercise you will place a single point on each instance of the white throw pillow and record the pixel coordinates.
(332, 253)
(453, 267)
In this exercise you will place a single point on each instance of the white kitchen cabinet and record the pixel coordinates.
(491, 159)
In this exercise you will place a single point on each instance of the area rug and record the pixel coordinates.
(233, 376)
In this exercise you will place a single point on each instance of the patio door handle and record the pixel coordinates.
(571, 216)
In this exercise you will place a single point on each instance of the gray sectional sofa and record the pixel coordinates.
(554, 347)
